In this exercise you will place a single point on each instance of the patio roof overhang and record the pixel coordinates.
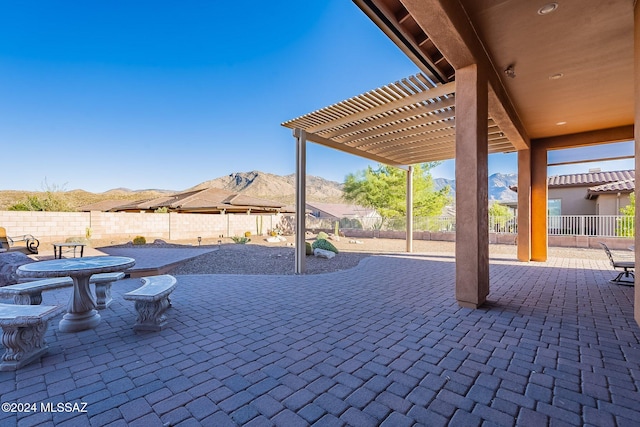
(546, 76)
(407, 122)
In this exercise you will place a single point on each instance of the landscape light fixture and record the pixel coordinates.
(199, 240)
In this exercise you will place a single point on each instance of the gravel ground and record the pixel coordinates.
(261, 257)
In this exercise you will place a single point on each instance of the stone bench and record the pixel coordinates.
(151, 301)
(23, 330)
(30, 293)
(103, 283)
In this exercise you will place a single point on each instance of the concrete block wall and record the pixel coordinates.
(593, 242)
(186, 226)
(50, 227)
(123, 225)
(46, 226)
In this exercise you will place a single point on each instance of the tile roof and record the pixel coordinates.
(103, 205)
(626, 186)
(205, 200)
(590, 179)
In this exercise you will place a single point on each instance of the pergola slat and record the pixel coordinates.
(409, 121)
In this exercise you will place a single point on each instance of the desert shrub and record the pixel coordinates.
(308, 248)
(324, 244)
(139, 240)
(52, 199)
(240, 240)
(322, 236)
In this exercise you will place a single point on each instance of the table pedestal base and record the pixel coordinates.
(81, 313)
(74, 322)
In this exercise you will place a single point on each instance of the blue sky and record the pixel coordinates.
(163, 94)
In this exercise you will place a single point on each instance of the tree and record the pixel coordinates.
(384, 189)
(499, 211)
(502, 218)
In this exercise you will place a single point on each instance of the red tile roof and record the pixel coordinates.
(590, 179)
(626, 186)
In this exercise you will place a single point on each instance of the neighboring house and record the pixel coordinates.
(348, 215)
(103, 206)
(339, 211)
(208, 200)
(592, 193)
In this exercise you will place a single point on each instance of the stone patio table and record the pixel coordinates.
(81, 311)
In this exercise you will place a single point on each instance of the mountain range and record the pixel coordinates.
(499, 184)
(256, 184)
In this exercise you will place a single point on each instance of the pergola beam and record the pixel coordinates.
(345, 148)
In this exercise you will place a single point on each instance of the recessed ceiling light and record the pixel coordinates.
(556, 76)
(561, 123)
(547, 8)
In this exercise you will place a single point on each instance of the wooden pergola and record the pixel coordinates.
(401, 124)
(404, 123)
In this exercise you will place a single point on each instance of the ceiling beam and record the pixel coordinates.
(583, 139)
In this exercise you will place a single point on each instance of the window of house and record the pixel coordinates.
(554, 207)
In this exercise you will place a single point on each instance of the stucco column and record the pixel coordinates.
(472, 216)
(301, 200)
(539, 194)
(636, 132)
(524, 205)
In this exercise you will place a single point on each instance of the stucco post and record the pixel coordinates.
(524, 205)
(539, 194)
(636, 48)
(472, 217)
(301, 199)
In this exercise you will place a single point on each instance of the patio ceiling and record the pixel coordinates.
(558, 67)
(403, 123)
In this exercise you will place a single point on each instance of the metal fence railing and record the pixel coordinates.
(560, 225)
(591, 225)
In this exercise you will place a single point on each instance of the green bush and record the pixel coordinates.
(324, 244)
(322, 236)
(139, 240)
(240, 240)
(308, 248)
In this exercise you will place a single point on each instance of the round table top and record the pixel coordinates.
(76, 266)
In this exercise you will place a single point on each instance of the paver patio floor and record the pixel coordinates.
(382, 344)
